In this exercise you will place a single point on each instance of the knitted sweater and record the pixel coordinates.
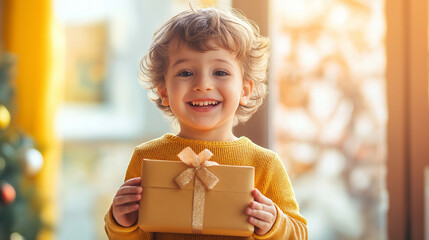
(270, 178)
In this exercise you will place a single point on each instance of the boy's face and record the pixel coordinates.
(204, 90)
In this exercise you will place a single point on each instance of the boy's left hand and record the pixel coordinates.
(262, 213)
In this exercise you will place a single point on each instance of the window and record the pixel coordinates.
(330, 113)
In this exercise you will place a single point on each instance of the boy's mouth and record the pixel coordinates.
(205, 103)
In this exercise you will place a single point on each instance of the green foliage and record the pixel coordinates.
(23, 214)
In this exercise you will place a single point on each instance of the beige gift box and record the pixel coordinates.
(165, 207)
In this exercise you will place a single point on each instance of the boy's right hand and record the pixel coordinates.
(126, 202)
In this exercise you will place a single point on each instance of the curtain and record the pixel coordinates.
(27, 35)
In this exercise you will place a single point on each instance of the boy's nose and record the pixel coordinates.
(202, 84)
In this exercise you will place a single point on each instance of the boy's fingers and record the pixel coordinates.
(259, 197)
(256, 206)
(133, 181)
(260, 206)
(129, 190)
(261, 215)
(124, 209)
(124, 199)
(261, 225)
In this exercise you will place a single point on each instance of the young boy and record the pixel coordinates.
(207, 70)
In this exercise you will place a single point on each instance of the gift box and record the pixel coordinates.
(195, 196)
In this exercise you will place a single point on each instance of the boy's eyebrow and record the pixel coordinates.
(223, 61)
(179, 61)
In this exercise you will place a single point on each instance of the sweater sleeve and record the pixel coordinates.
(113, 229)
(276, 185)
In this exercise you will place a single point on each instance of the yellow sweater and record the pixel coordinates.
(270, 178)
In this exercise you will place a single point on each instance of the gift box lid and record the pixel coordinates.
(162, 174)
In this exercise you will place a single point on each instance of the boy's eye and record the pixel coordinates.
(220, 73)
(185, 74)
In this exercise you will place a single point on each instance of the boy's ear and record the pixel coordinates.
(246, 92)
(163, 94)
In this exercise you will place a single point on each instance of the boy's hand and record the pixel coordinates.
(262, 213)
(126, 202)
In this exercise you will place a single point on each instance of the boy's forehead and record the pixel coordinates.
(178, 44)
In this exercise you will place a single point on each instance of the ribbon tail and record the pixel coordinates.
(185, 177)
(207, 178)
(198, 207)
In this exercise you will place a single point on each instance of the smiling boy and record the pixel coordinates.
(204, 90)
(207, 70)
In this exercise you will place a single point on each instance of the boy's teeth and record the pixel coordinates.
(203, 103)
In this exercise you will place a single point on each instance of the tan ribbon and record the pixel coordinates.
(204, 180)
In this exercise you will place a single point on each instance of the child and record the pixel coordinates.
(207, 70)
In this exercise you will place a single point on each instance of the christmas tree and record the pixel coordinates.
(20, 163)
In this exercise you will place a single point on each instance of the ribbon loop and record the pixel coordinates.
(204, 155)
(204, 180)
(189, 157)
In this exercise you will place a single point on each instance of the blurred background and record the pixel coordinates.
(347, 111)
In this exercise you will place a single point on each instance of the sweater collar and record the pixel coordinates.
(174, 138)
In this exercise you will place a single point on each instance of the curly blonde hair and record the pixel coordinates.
(230, 30)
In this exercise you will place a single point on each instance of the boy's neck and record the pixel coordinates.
(209, 135)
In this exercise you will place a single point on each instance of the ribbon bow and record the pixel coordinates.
(204, 179)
